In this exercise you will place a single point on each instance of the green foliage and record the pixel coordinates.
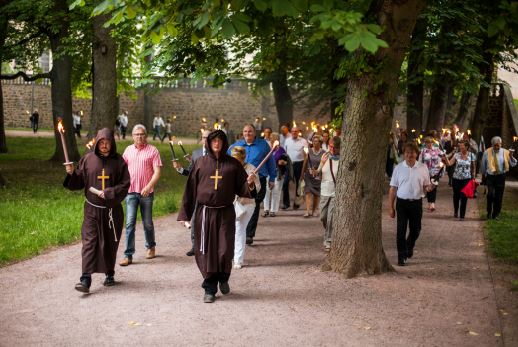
(502, 234)
(38, 213)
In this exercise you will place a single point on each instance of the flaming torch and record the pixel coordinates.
(183, 149)
(435, 178)
(173, 154)
(61, 130)
(90, 144)
(274, 147)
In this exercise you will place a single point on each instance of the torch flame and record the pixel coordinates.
(275, 144)
(179, 143)
(61, 129)
(441, 164)
(469, 132)
(397, 124)
(515, 138)
(303, 123)
(413, 130)
(294, 124)
(90, 144)
(204, 120)
(264, 118)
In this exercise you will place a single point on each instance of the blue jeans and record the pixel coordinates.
(133, 200)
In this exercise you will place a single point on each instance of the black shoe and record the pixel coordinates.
(488, 217)
(401, 261)
(284, 207)
(496, 218)
(109, 281)
(209, 298)
(190, 253)
(410, 254)
(455, 215)
(296, 207)
(83, 287)
(224, 288)
(249, 240)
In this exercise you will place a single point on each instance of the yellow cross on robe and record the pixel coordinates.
(215, 178)
(103, 178)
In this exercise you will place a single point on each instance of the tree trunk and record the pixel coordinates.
(282, 96)
(438, 105)
(3, 34)
(462, 115)
(61, 89)
(449, 116)
(357, 245)
(415, 85)
(482, 106)
(104, 90)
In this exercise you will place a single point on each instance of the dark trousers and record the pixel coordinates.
(123, 131)
(431, 196)
(210, 284)
(459, 197)
(495, 194)
(297, 172)
(252, 225)
(409, 213)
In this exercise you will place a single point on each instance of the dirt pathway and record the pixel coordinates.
(444, 297)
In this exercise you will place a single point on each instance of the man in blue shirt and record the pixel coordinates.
(256, 151)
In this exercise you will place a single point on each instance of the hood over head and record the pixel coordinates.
(217, 134)
(107, 134)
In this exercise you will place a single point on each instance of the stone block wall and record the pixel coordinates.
(236, 105)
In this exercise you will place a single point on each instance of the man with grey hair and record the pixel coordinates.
(144, 164)
(495, 163)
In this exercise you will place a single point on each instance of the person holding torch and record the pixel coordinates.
(103, 176)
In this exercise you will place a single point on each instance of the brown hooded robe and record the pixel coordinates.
(214, 213)
(98, 233)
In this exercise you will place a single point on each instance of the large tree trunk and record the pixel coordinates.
(415, 84)
(438, 106)
(3, 35)
(463, 115)
(357, 245)
(61, 88)
(104, 103)
(282, 96)
(482, 106)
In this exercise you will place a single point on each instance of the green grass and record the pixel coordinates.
(502, 234)
(37, 213)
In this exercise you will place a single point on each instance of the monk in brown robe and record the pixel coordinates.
(104, 170)
(213, 184)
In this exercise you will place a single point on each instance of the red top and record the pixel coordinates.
(140, 165)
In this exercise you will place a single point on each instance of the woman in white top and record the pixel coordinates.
(244, 208)
(464, 162)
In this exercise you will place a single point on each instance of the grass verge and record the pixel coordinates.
(37, 213)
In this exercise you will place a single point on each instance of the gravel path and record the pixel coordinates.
(445, 297)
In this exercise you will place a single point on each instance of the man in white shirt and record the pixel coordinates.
(329, 169)
(410, 180)
(158, 124)
(285, 133)
(123, 121)
(294, 147)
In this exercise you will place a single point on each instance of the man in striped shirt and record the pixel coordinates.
(144, 164)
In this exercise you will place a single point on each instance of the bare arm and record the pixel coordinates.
(391, 199)
(152, 182)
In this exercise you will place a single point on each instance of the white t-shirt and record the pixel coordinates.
(295, 148)
(327, 185)
(410, 181)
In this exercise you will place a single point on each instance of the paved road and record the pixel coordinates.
(444, 297)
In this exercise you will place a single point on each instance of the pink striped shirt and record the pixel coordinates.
(140, 165)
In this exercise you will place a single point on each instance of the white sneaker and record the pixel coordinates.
(237, 266)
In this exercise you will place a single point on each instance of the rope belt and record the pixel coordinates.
(111, 223)
(202, 246)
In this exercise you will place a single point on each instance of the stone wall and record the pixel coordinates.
(234, 102)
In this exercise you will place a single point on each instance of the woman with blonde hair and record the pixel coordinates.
(244, 208)
(312, 176)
